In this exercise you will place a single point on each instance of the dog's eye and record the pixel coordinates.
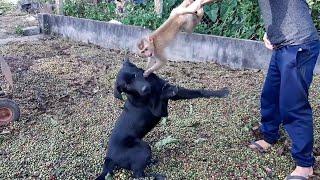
(131, 78)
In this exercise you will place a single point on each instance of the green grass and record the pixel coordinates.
(6, 6)
(19, 30)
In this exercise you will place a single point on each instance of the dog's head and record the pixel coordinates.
(130, 80)
(154, 90)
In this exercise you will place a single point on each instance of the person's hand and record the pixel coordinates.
(267, 43)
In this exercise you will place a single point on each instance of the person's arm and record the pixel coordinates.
(267, 43)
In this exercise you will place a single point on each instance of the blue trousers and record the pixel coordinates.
(284, 99)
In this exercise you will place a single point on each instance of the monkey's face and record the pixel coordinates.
(146, 48)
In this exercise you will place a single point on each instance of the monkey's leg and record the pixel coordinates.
(200, 14)
(159, 64)
(191, 21)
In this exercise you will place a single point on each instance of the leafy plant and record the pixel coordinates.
(19, 30)
(235, 18)
(5, 7)
(315, 12)
(164, 142)
(142, 15)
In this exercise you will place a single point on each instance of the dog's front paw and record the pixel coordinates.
(221, 93)
(153, 162)
(224, 92)
(105, 177)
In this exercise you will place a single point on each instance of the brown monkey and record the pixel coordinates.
(184, 17)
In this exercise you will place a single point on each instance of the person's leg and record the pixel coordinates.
(270, 115)
(296, 64)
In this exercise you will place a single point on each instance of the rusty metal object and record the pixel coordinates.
(5, 69)
(9, 109)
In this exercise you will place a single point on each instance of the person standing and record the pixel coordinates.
(294, 40)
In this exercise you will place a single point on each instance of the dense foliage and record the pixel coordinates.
(231, 18)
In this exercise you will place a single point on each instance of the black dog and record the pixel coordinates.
(147, 102)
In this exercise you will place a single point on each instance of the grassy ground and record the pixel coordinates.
(68, 110)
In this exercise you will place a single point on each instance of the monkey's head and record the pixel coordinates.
(146, 47)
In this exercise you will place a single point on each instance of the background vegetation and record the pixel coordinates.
(231, 18)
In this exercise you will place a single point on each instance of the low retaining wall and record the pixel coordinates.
(234, 53)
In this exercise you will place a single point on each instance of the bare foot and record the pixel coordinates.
(302, 171)
(263, 145)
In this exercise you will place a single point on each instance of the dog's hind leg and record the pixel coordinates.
(157, 176)
(108, 168)
(152, 162)
(141, 157)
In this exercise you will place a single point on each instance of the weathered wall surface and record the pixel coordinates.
(234, 53)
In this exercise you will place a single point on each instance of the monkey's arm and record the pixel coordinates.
(151, 62)
(160, 62)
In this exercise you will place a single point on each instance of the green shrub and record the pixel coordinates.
(231, 18)
(235, 18)
(315, 11)
(5, 7)
(19, 30)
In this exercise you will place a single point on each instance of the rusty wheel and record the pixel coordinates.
(9, 111)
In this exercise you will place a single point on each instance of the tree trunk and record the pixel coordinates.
(158, 7)
(59, 5)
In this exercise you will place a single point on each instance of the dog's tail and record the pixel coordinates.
(108, 168)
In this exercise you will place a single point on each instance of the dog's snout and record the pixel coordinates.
(146, 89)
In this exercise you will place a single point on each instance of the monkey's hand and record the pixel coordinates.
(147, 72)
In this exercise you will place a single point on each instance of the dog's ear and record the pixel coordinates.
(159, 104)
(117, 91)
(168, 91)
(128, 63)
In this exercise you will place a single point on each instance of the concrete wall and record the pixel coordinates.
(234, 53)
